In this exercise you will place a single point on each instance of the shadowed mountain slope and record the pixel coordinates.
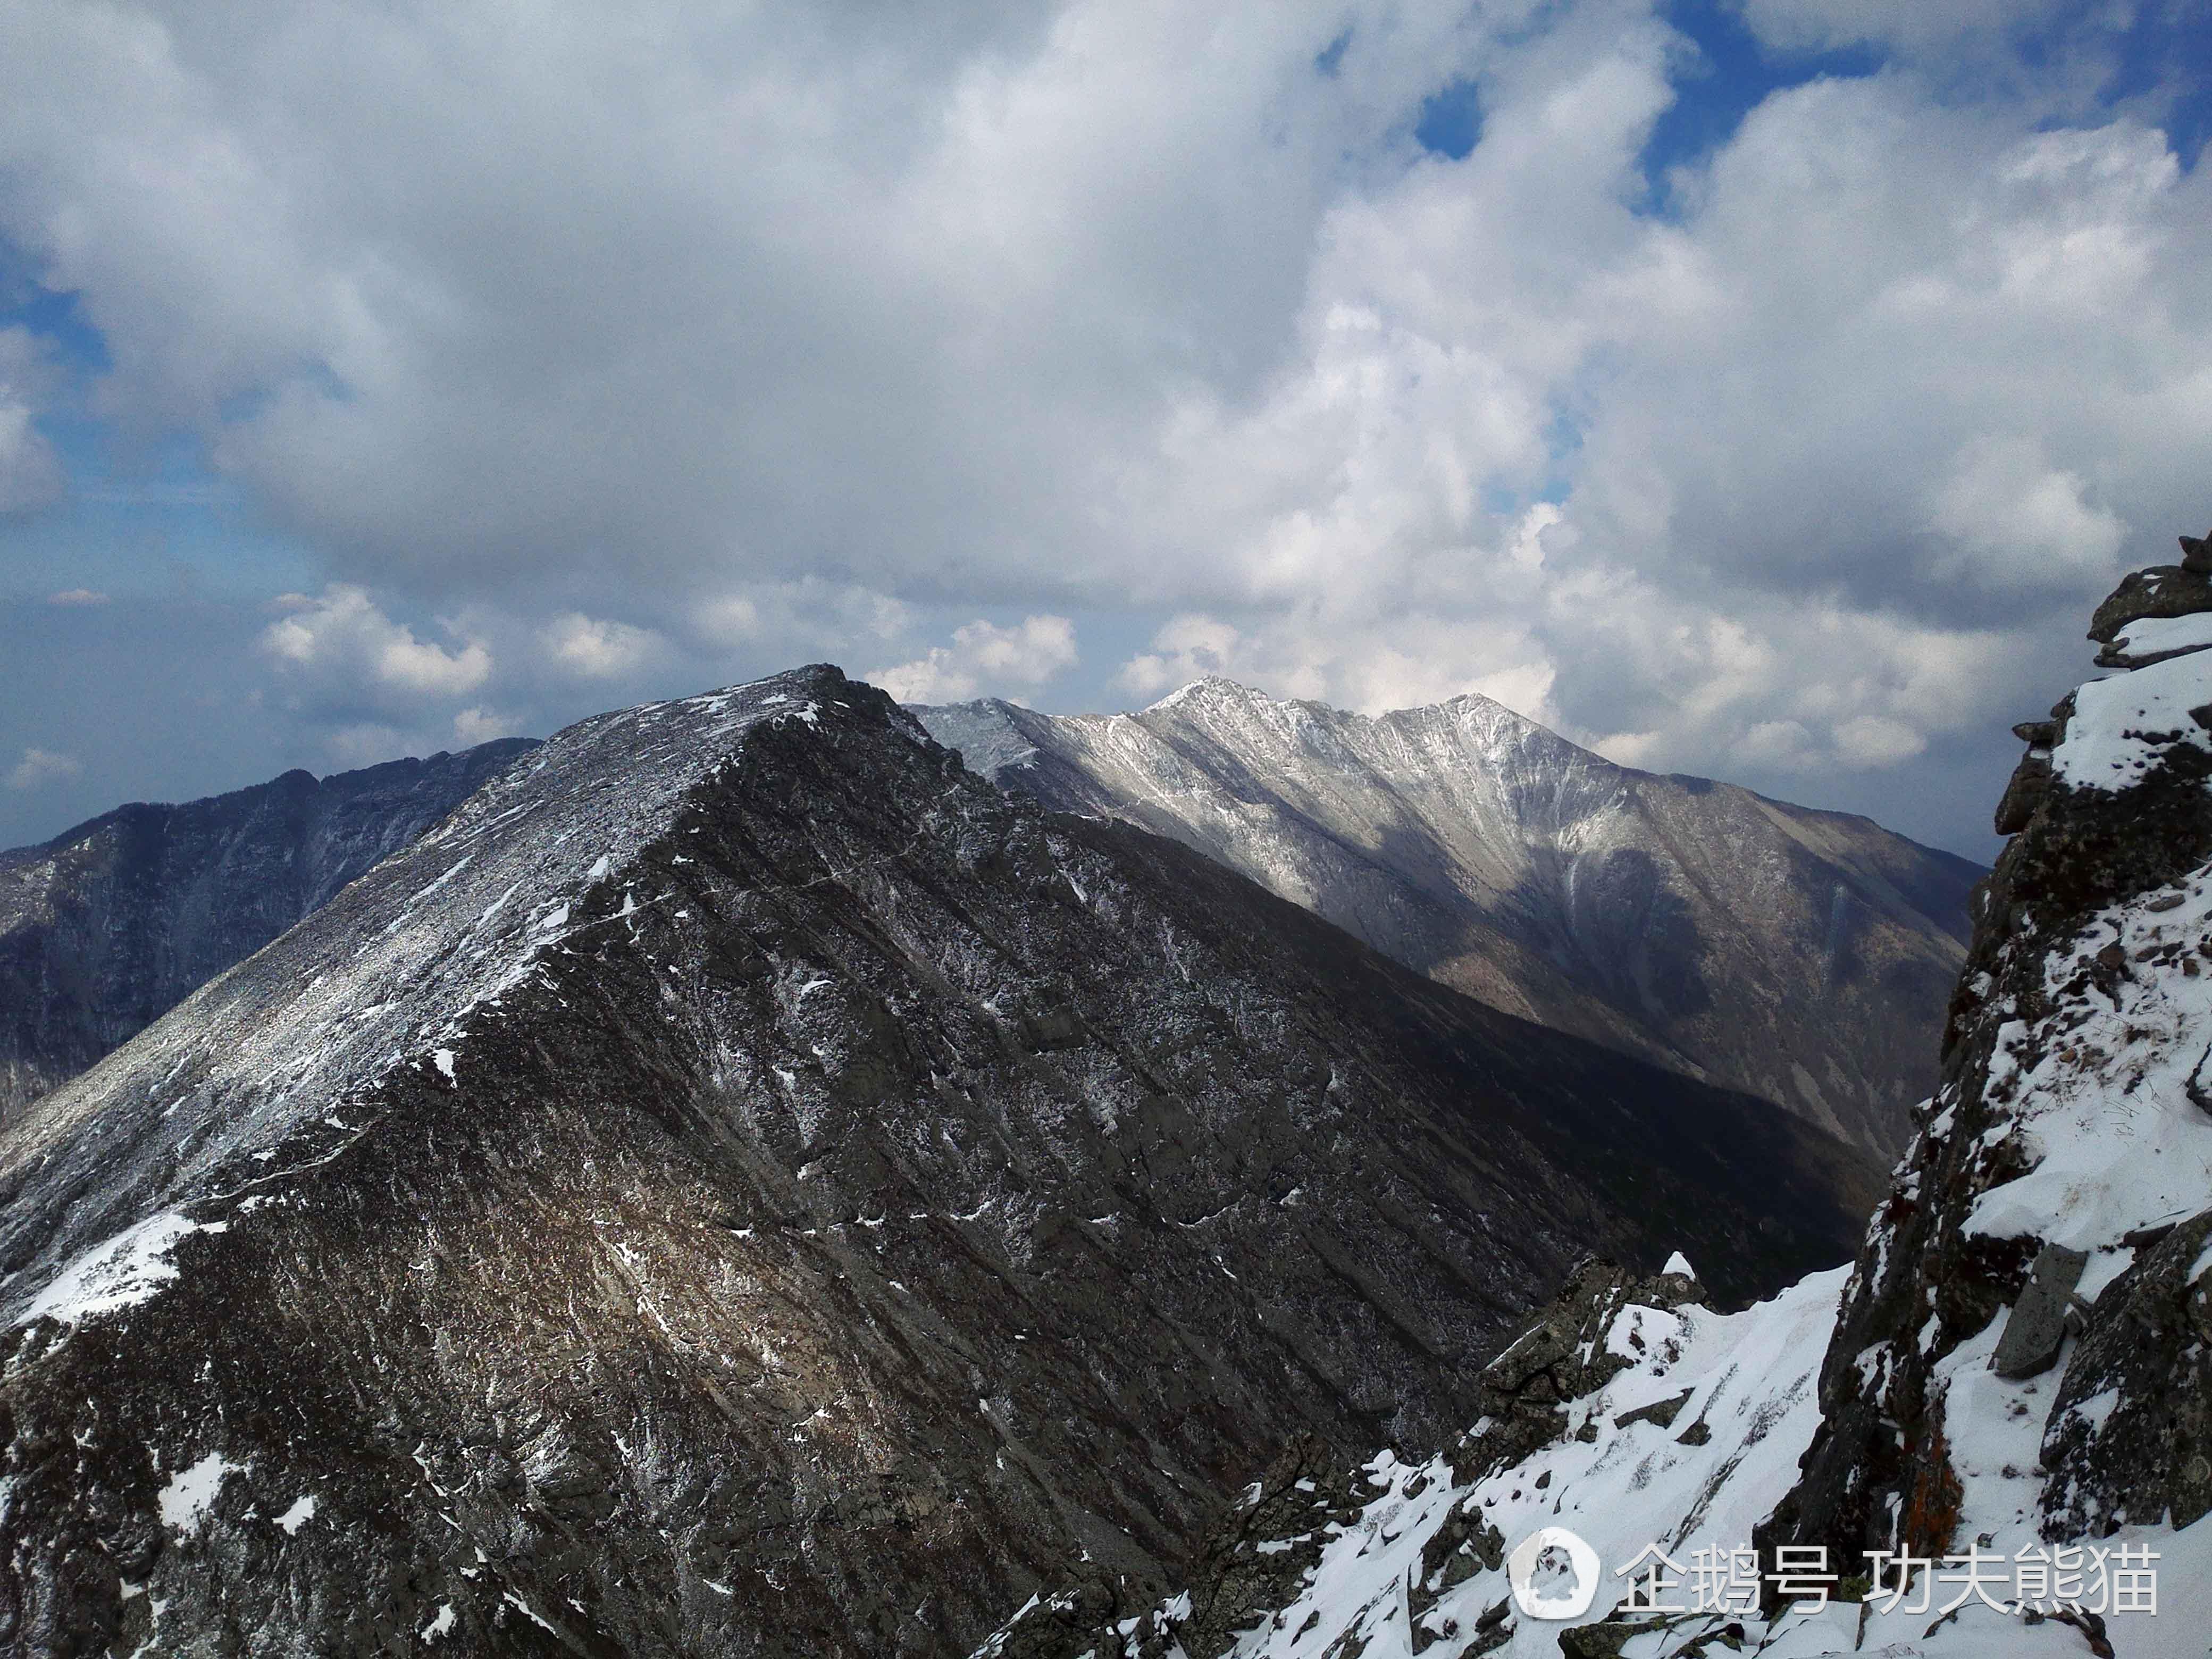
(743, 1184)
(108, 925)
(1802, 955)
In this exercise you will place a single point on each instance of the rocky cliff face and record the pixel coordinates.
(1801, 956)
(2045, 1237)
(743, 1184)
(109, 926)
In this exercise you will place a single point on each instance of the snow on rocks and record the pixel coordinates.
(2102, 1091)
(1399, 1558)
(2020, 1358)
(425, 943)
(2152, 638)
(2122, 727)
(119, 1273)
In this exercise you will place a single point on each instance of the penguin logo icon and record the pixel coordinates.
(1554, 1574)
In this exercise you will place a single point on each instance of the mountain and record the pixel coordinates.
(110, 925)
(2011, 1387)
(1797, 955)
(743, 1184)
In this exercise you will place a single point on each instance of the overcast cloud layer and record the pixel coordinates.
(522, 362)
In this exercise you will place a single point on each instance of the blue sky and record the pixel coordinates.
(1761, 390)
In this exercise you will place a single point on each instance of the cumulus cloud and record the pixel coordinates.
(40, 766)
(985, 657)
(800, 331)
(1918, 25)
(598, 650)
(31, 474)
(343, 639)
(474, 725)
(2010, 519)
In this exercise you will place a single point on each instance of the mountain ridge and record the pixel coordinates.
(1792, 952)
(744, 1183)
(109, 924)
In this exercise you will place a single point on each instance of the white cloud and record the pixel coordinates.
(76, 595)
(344, 640)
(985, 657)
(1918, 25)
(599, 650)
(474, 725)
(30, 473)
(40, 766)
(2011, 520)
(368, 743)
(1093, 307)
(1186, 648)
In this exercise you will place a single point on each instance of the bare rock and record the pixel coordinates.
(2130, 1435)
(2036, 1327)
(2165, 590)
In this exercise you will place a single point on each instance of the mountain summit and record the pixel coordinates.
(744, 1184)
(1799, 955)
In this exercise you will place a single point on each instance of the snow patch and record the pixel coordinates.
(185, 1501)
(120, 1272)
(2121, 727)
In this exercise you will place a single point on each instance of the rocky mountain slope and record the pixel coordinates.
(110, 925)
(1994, 1433)
(743, 1185)
(1798, 954)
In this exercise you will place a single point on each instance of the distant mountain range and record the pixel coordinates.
(108, 925)
(742, 1183)
(1802, 955)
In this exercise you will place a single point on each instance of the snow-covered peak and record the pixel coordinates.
(395, 970)
(1208, 687)
(1664, 915)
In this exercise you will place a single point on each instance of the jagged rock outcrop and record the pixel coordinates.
(743, 1184)
(2070, 1140)
(1582, 1340)
(1802, 955)
(108, 925)
(1392, 1559)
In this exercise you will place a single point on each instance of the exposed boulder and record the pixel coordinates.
(2130, 1435)
(2164, 590)
(2037, 1326)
